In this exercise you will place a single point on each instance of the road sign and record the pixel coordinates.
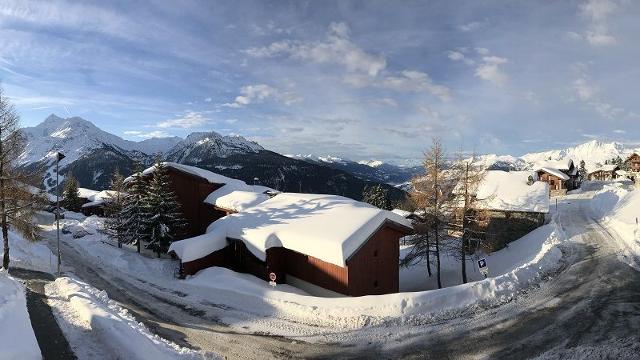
(272, 277)
(483, 267)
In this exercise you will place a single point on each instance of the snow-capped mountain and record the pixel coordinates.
(93, 155)
(594, 153)
(202, 145)
(374, 170)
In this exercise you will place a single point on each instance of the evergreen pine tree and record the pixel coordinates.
(582, 171)
(162, 217)
(377, 196)
(131, 215)
(114, 224)
(71, 194)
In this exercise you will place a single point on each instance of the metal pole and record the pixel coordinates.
(58, 210)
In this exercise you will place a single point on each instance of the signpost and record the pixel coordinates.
(272, 279)
(483, 267)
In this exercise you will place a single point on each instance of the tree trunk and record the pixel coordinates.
(436, 224)
(3, 209)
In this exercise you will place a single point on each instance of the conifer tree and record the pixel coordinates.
(114, 224)
(377, 196)
(162, 217)
(131, 215)
(582, 171)
(71, 194)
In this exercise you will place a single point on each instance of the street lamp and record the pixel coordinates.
(59, 156)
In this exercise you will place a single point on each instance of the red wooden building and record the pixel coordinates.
(324, 244)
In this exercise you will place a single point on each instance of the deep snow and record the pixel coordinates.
(17, 340)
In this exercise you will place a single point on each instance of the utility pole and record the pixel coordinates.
(59, 156)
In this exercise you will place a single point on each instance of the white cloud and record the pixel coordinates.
(208, 99)
(472, 26)
(597, 13)
(620, 131)
(482, 51)
(490, 70)
(258, 93)
(458, 56)
(190, 119)
(337, 48)
(589, 94)
(147, 135)
(405, 81)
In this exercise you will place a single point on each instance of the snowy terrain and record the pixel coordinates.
(29, 255)
(90, 314)
(17, 340)
(617, 204)
(513, 269)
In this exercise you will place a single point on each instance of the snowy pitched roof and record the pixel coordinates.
(192, 170)
(508, 191)
(199, 246)
(554, 172)
(403, 213)
(236, 200)
(564, 164)
(87, 193)
(96, 197)
(606, 168)
(328, 227)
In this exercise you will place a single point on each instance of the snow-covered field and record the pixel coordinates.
(17, 340)
(617, 205)
(29, 255)
(265, 308)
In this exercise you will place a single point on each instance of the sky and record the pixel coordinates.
(357, 79)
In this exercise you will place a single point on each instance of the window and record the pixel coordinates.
(375, 284)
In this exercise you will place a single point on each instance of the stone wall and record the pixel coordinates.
(505, 227)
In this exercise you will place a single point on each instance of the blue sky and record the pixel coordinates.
(357, 79)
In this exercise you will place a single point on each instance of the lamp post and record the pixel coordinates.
(59, 156)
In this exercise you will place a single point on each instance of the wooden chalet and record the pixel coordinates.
(604, 173)
(633, 166)
(561, 176)
(326, 245)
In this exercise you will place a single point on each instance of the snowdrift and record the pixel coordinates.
(617, 205)
(17, 340)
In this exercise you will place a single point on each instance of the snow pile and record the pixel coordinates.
(88, 226)
(509, 191)
(28, 254)
(327, 227)
(618, 206)
(17, 340)
(124, 336)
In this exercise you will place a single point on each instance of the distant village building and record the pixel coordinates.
(604, 173)
(510, 208)
(94, 202)
(561, 175)
(632, 165)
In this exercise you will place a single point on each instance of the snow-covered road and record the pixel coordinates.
(593, 300)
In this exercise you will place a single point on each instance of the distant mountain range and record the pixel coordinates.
(92, 155)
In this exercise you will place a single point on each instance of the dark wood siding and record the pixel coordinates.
(374, 268)
(217, 258)
(318, 272)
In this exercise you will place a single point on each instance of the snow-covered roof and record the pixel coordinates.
(328, 227)
(87, 193)
(94, 197)
(564, 164)
(606, 168)
(196, 171)
(199, 246)
(508, 191)
(554, 172)
(403, 213)
(236, 200)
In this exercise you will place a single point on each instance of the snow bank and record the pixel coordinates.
(28, 254)
(515, 268)
(618, 207)
(124, 336)
(509, 191)
(17, 340)
(327, 227)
